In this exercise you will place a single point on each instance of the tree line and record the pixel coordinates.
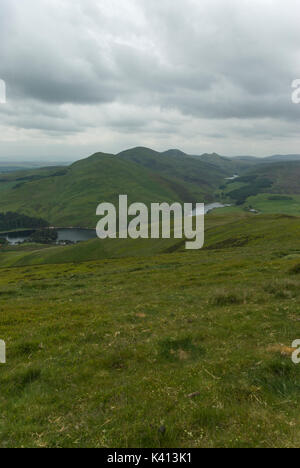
(10, 221)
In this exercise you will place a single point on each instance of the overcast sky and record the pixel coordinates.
(105, 75)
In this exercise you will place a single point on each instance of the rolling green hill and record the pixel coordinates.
(68, 196)
(71, 199)
(229, 165)
(180, 167)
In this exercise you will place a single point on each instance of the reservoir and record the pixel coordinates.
(210, 207)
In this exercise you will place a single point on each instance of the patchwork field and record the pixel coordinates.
(182, 349)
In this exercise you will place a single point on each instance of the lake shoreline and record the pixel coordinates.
(211, 207)
(67, 235)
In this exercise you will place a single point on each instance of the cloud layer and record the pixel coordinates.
(88, 75)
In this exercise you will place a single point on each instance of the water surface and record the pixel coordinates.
(70, 234)
(210, 207)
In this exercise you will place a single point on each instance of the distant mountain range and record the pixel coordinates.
(10, 166)
(268, 159)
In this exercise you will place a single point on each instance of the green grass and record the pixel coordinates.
(6, 186)
(92, 250)
(265, 203)
(228, 210)
(104, 353)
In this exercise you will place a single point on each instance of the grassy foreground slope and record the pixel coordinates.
(186, 349)
(86, 251)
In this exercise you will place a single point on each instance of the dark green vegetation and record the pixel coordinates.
(104, 353)
(13, 221)
(253, 186)
(44, 236)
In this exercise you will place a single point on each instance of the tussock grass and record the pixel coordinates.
(227, 298)
(295, 270)
(278, 376)
(283, 289)
(181, 349)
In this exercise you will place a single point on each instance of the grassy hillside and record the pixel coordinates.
(230, 165)
(28, 254)
(284, 176)
(276, 203)
(69, 196)
(193, 173)
(72, 199)
(185, 349)
(91, 250)
(13, 180)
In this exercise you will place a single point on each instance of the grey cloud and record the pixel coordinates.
(205, 61)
